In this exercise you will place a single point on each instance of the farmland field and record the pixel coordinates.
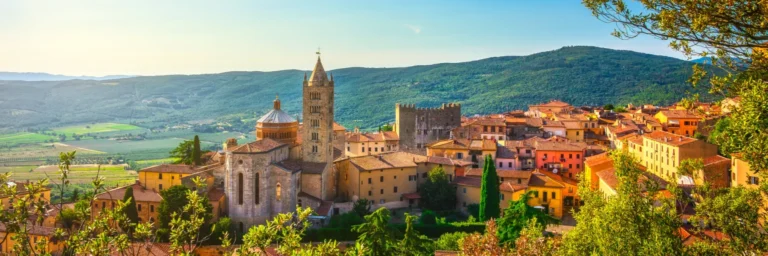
(80, 174)
(12, 139)
(95, 128)
(43, 150)
(156, 161)
(120, 146)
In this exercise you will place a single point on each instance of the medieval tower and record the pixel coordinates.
(317, 134)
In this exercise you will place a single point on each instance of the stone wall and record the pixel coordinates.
(418, 127)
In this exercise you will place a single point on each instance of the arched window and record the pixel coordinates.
(240, 188)
(256, 188)
(278, 191)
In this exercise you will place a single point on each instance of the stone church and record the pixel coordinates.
(289, 164)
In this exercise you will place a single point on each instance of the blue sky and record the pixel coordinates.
(142, 37)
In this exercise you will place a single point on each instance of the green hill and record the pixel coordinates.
(579, 75)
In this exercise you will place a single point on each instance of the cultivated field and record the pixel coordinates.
(156, 161)
(80, 174)
(13, 139)
(122, 146)
(95, 128)
(42, 150)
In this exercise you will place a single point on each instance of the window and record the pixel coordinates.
(424, 175)
(138, 207)
(256, 188)
(314, 109)
(278, 191)
(754, 180)
(381, 179)
(151, 208)
(369, 181)
(376, 150)
(370, 193)
(553, 195)
(501, 165)
(410, 177)
(381, 191)
(459, 155)
(240, 188)
(519, 181)
(464, 190)
(578, 156)
(578, 166)
(545, 196)
(160, 176)
(363, 149)
(314, 136)
(395, 189)
(501, 195)
(570, 156)
(314, 148)
(160, 187)
(315, 123)
(570, 166)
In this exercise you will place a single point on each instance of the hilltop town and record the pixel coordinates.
(544, 151)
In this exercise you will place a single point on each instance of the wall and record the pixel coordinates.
(574, 161)
(394, 177)
(418, 127)
(152, 180)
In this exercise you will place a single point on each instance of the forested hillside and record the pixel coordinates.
(364, 96)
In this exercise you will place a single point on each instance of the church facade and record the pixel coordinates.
(289, 164)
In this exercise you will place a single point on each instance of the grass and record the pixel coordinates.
(79, 174)
(14, 139)
(95, 128)
(156, 161)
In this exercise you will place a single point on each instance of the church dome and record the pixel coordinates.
(276, 116)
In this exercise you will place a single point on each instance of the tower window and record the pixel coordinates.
(314, 148)
(278, 191)
(314, 136)
(256, 188)
(240, 188)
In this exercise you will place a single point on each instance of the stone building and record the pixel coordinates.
(418, 127)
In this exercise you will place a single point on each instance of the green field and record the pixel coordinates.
(12, 139)
(95, 128)
(120, 146)
(156, 161)
(80, 174)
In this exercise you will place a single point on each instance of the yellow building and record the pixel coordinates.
(573, 131)
(21, 191)
(147, 202)
(36, 233)
(595, 164)
(164, 176)
(361, 144)
(663, 152)
(743, 175)
(465, 150)
(384, 178)
(451, 167)
(681, 122)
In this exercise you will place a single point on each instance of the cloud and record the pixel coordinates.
(415, 28)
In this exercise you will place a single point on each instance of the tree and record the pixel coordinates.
(75, 195)
(533, 242)
(362, 207)
(130, 207)
(414, 243)
(484, 244)
(489, 191)
(635, 221)
(608, 107)
(186, 226)
(450, 241)
(428, 218)
(376, 236)
(174, 200)
(516, 218)
(183, 153)
(733, 34)
(385, 128)
(437, 193)
(196, 154)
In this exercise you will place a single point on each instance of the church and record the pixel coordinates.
(289, 164)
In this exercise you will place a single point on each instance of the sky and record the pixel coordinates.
(149, 37)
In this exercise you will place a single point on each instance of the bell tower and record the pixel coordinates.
(317, 130)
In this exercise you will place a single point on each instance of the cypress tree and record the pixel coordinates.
(130, 208)
(196, 152)
(489, 191)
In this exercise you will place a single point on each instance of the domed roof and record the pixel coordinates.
(276, 116)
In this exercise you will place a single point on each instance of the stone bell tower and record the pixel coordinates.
(317, 130)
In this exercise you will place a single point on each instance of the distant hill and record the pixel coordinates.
(17, 76)
(364, 96)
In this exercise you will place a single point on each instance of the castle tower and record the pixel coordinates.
(317, 130)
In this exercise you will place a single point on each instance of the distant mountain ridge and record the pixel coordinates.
(38, 76)
(365, 97)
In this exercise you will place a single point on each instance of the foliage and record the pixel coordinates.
(608, 107)
(362, 207)
(489, 191)
(196, 154)
(450, 241)
(437, 193)
(414, 243)
(386, 128)
(68, 218)
(433, 231)
(532, 241)
(517, 216)
(428, 218)
(174, 203)
(635, 221)
(186, 226)
(474, 211)
(285, 230)
(620, 110)
(184, 153)
(484, 244)
(733, 35)
(130, 208)
(376, 237)
(697, 135)
(345, 220)
(717, 133)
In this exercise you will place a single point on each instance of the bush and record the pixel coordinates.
(428, 218)
(322, 234)
(474, 210)
(450, 241)
(346, 220)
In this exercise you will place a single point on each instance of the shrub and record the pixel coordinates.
(346, 220)
(450, 241)
(428, 218)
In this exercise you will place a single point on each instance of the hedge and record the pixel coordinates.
(433, 231)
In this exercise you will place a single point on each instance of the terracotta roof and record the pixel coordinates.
(715, 160)
(548, 123)
(338, 127)
(414, 195)
(598, 159)
(324, 208)
(34, 229)
(553, 103)
(304, 167)
(572, 125)
(464, 144)
(506, 152)
(385, 161)
(215, 194)
(539, 179)
(258, 146)
(685, 114)
(490, 122)
(668, 138)
(560, 146)
(526, 143)
(171, 168)
(372, 137)
(609, 177)
(140, 194)
(535, 122)
(467, 181)
(512, 187)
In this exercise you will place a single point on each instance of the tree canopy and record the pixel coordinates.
(437, 193)
(489, 191)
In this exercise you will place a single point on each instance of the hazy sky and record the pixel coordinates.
(138, 37)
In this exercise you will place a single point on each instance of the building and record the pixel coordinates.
(488, 128)
(682, 122)
(524, 150)
(277, 125)
(743, 175)
(474, 151)
(21, 191)
(418, 127)
(147, 201)
(663, 152)
(549, 109)
(595, 164)
(360, 143)
(35, 234)
(164, 176)
(562, 158)
(383, 178)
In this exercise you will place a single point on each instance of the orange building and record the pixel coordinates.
(681, 122)
(465, 150)
(36, 233)
(147, 202)
(595, 164)
(562, 158)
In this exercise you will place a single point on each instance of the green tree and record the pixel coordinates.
(362, 207)
(533, 242)
(183, 153)
(130, 207)
(414, 243)
(489, 191)
(428, 217)
(635, 221)
(75, 195)
(733, 34)
(516, 218)
(608, 107)
(376, 236)
(186, 225)
(437, 193)
(196, 153)
(450, 241)
(175, 200)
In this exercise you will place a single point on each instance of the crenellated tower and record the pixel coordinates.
(317, 130)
